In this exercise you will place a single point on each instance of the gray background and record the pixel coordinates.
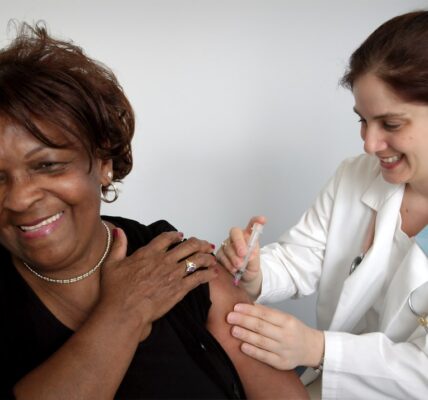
(238, 106)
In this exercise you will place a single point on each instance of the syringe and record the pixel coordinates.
(256, 230)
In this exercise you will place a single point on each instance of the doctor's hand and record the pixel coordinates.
(276, 338)
(232, 252)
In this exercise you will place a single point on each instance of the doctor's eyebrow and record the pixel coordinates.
(381, 116)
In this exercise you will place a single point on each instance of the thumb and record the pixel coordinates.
(119, 246)
(259, 219)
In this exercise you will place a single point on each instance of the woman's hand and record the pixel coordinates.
(147, 284)
(276, 338)
(232, 252)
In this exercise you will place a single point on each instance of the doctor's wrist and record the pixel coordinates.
(317, 354)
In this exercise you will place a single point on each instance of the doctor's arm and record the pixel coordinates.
(260, 380)
(371, 364)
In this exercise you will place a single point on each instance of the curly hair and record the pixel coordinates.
(43, 79)
(397, 53)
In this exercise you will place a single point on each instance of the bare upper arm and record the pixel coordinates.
(259, 380)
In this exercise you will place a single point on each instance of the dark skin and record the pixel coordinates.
(260, 380)
(119, 319)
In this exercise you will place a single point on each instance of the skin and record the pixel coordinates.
(396, 132)
(113, 310)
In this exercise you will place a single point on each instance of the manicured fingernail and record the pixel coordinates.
(180, 234)
(115, 233)
(212, 246)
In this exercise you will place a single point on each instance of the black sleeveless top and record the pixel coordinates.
(179, 360)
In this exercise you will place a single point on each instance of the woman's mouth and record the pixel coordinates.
(390, 162)
(41, 224)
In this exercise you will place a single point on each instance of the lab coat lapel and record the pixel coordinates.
(362, 287)
(397, 321)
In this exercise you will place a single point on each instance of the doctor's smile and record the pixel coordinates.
(362, 245)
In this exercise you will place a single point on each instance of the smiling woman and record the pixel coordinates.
(361, 245)
(94, 306)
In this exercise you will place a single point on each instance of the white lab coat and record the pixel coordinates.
(391, 361)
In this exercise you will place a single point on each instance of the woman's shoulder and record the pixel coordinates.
(137, 233)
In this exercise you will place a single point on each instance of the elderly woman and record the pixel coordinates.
(97, 307)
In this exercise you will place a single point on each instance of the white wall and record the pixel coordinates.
(238, 106)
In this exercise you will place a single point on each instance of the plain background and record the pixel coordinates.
(238, 106)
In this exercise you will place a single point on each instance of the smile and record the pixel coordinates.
(391, 160)
(47, 221)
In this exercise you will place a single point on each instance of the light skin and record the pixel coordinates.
(396, 132)
(49, 217)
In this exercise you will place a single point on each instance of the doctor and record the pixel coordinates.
(371, 341)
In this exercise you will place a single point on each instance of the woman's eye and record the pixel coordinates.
(49, 166)
(391, 127)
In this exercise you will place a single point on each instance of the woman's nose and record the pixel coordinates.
(21, 193)
(374, 140)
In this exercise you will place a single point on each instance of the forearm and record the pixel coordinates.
(91, 364)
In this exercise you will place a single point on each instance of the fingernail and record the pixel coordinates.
(241, 251)
(229, 318)
(115, 233)
(236, 331)
(180, 234)
(212, 246)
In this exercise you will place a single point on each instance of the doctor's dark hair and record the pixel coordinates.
(46, 81)
(397, 53)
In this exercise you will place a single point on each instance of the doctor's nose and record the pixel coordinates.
(374, 139)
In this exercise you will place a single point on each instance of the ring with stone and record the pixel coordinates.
(190, 267)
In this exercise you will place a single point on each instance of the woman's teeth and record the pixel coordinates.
(391, 160)
(47, 221)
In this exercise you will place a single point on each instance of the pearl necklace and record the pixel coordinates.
(80, 277)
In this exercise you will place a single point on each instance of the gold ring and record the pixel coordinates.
(190, 267)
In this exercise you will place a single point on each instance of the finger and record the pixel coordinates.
(238, 243)
(119, 246)
(267, 314)
(255, 339)
(224, 261)
(199, 277)
(258, 219)
(197, 261)
(264, 356)
(189, 247)
(239, 237)
(256, 325)
(162, 242)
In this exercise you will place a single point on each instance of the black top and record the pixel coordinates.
(179, 360)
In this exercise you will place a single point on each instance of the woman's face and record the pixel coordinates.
(393, 130)
(49, 202)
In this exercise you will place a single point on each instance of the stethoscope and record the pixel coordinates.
(356, 262)
(422, 318)
(368, 240)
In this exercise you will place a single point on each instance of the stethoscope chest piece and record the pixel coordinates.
(421, 318)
